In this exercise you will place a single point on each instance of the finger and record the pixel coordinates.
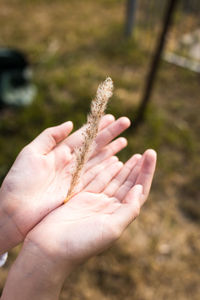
(75, 140)
(109, 133)
(121, 177)
(105, 121)
(146, 173)
(108, 151)
(129, 182)
(50, 137)
(128, 211)
(99, 183)
(94, 171)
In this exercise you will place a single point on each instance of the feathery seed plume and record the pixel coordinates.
(97, 109)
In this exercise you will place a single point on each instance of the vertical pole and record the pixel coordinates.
(130, 17)
(171, 5)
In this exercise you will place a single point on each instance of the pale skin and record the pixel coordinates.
(39, 178)
(111, 195)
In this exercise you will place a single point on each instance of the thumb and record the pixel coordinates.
(50, 137)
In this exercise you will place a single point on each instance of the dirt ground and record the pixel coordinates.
(72, 46)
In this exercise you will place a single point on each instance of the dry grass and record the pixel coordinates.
(97, 111)
(73, 45)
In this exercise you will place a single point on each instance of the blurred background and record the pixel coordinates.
(66, 49)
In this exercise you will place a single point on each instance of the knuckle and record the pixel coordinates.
(48, 131)
(26, 151)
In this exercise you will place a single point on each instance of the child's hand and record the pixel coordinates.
(81, 228)
(39, 179)
(94, 218)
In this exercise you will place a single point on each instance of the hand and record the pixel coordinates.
(39, 179)
(83, 227)
(95, 217)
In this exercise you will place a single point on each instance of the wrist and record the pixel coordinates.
(48, 243)
(34, 275)
(46, 258)
(10, 236)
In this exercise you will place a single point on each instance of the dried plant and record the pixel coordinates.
(97, 109)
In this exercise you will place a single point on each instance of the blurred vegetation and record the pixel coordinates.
(74, 45)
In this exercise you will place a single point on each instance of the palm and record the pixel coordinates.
(40, 177)
(94, 218)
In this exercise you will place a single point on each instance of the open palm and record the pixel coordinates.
(39, 179)
(95, 217)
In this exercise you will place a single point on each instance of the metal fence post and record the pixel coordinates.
(130, 17)
(151, 76)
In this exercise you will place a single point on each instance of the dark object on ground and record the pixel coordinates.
(15, 78)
